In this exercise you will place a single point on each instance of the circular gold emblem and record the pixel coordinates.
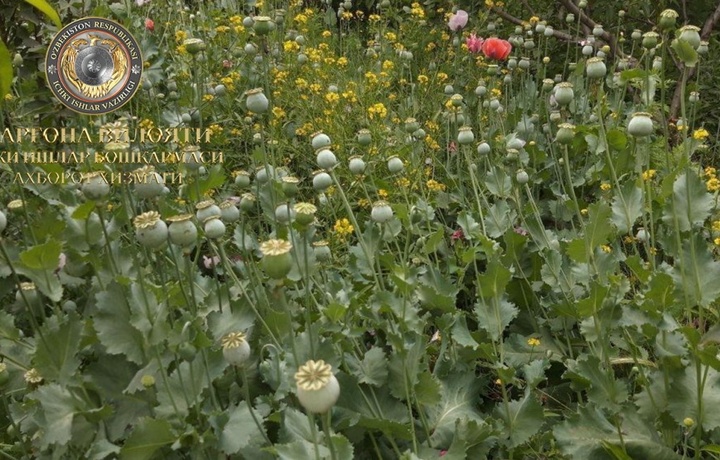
(93, 66)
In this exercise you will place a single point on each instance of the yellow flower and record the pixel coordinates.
(649, 174)
(435, 186)
(605, 186)
(343, 228)
(390, 36)
(534, 20)
(290, 46)
(326, 34)
(716, 226)
(388, 65)
(606, 249)
(208, 97)
(710, 171)
(700, 134)
(332, 97)
(496, 92)
(717, 241)
(533, 342)
(180, 36)
(377, 110)
(713, 185)
(403, 182)
(422, 79)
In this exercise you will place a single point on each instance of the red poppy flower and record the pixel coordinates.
(495, 48)
(149, 24)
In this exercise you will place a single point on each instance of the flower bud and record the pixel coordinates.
(214, 227)
(263, 25)
(395, 164)
(236, 349)
(381, 212)
(640, 124)
(465, 135)
(182, 230)
(150, 230)
(595, 68)
(667, 19)
(690, 34)
(564, 93)
(317, 388)
(206, 209)
(256, 101)
(650, 40)
(194, 45)
(326, 158)
(228, 211)
(522, 177)
(364, 137)
(320, 140)
(94, 186)
(321, 181)
(565, 134)
(276, 260)
(357, 165)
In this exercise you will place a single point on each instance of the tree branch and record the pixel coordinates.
(510, 18)
(588, 21)
(705, 32)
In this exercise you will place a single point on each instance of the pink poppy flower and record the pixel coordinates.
(149, 24)
(474, 43)
(458, 20)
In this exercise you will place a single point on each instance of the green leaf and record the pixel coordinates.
(685, 398)
(627, 207)
(459, 396)
(373, 369)
(523, 418)
(604, 390)
(492, 283)
(48, 10)
(594, 302)
(148, 315)
(6, 72)
(57, 347)
(427, 389)
(301, 450)
(59, 407)
(584, 436)
(498, 182)
(148, 436)
(598, 227)
(696, 265)
(436, 291)
(112, 323)
(685, 52)
(43, 256)
(616, 138)
(240, 430)
(690, 203)
(495, 316)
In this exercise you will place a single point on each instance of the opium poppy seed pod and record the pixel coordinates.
(150, 230)
(236, 349)
(256, 101)
(640, 125)
(317, 388)
(182, 231)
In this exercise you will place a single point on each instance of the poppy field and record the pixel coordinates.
(366, 229)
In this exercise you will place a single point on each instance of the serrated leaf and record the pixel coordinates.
(616, 139)
(523, 418)
(148, 315)
(685, 399)
(57, 347)
(240, 430)
(604, 390)
(690, 203)
(436, 291)
(373, 369)
(494, 316)
(584, 436)
(428, 389)
(459, 396)
(42, 257)
(696, 264)
(598, 227)
(59, 407)
(301, 450)
(627, 207)
(112, 323)
(148, 436)
(685, 52)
